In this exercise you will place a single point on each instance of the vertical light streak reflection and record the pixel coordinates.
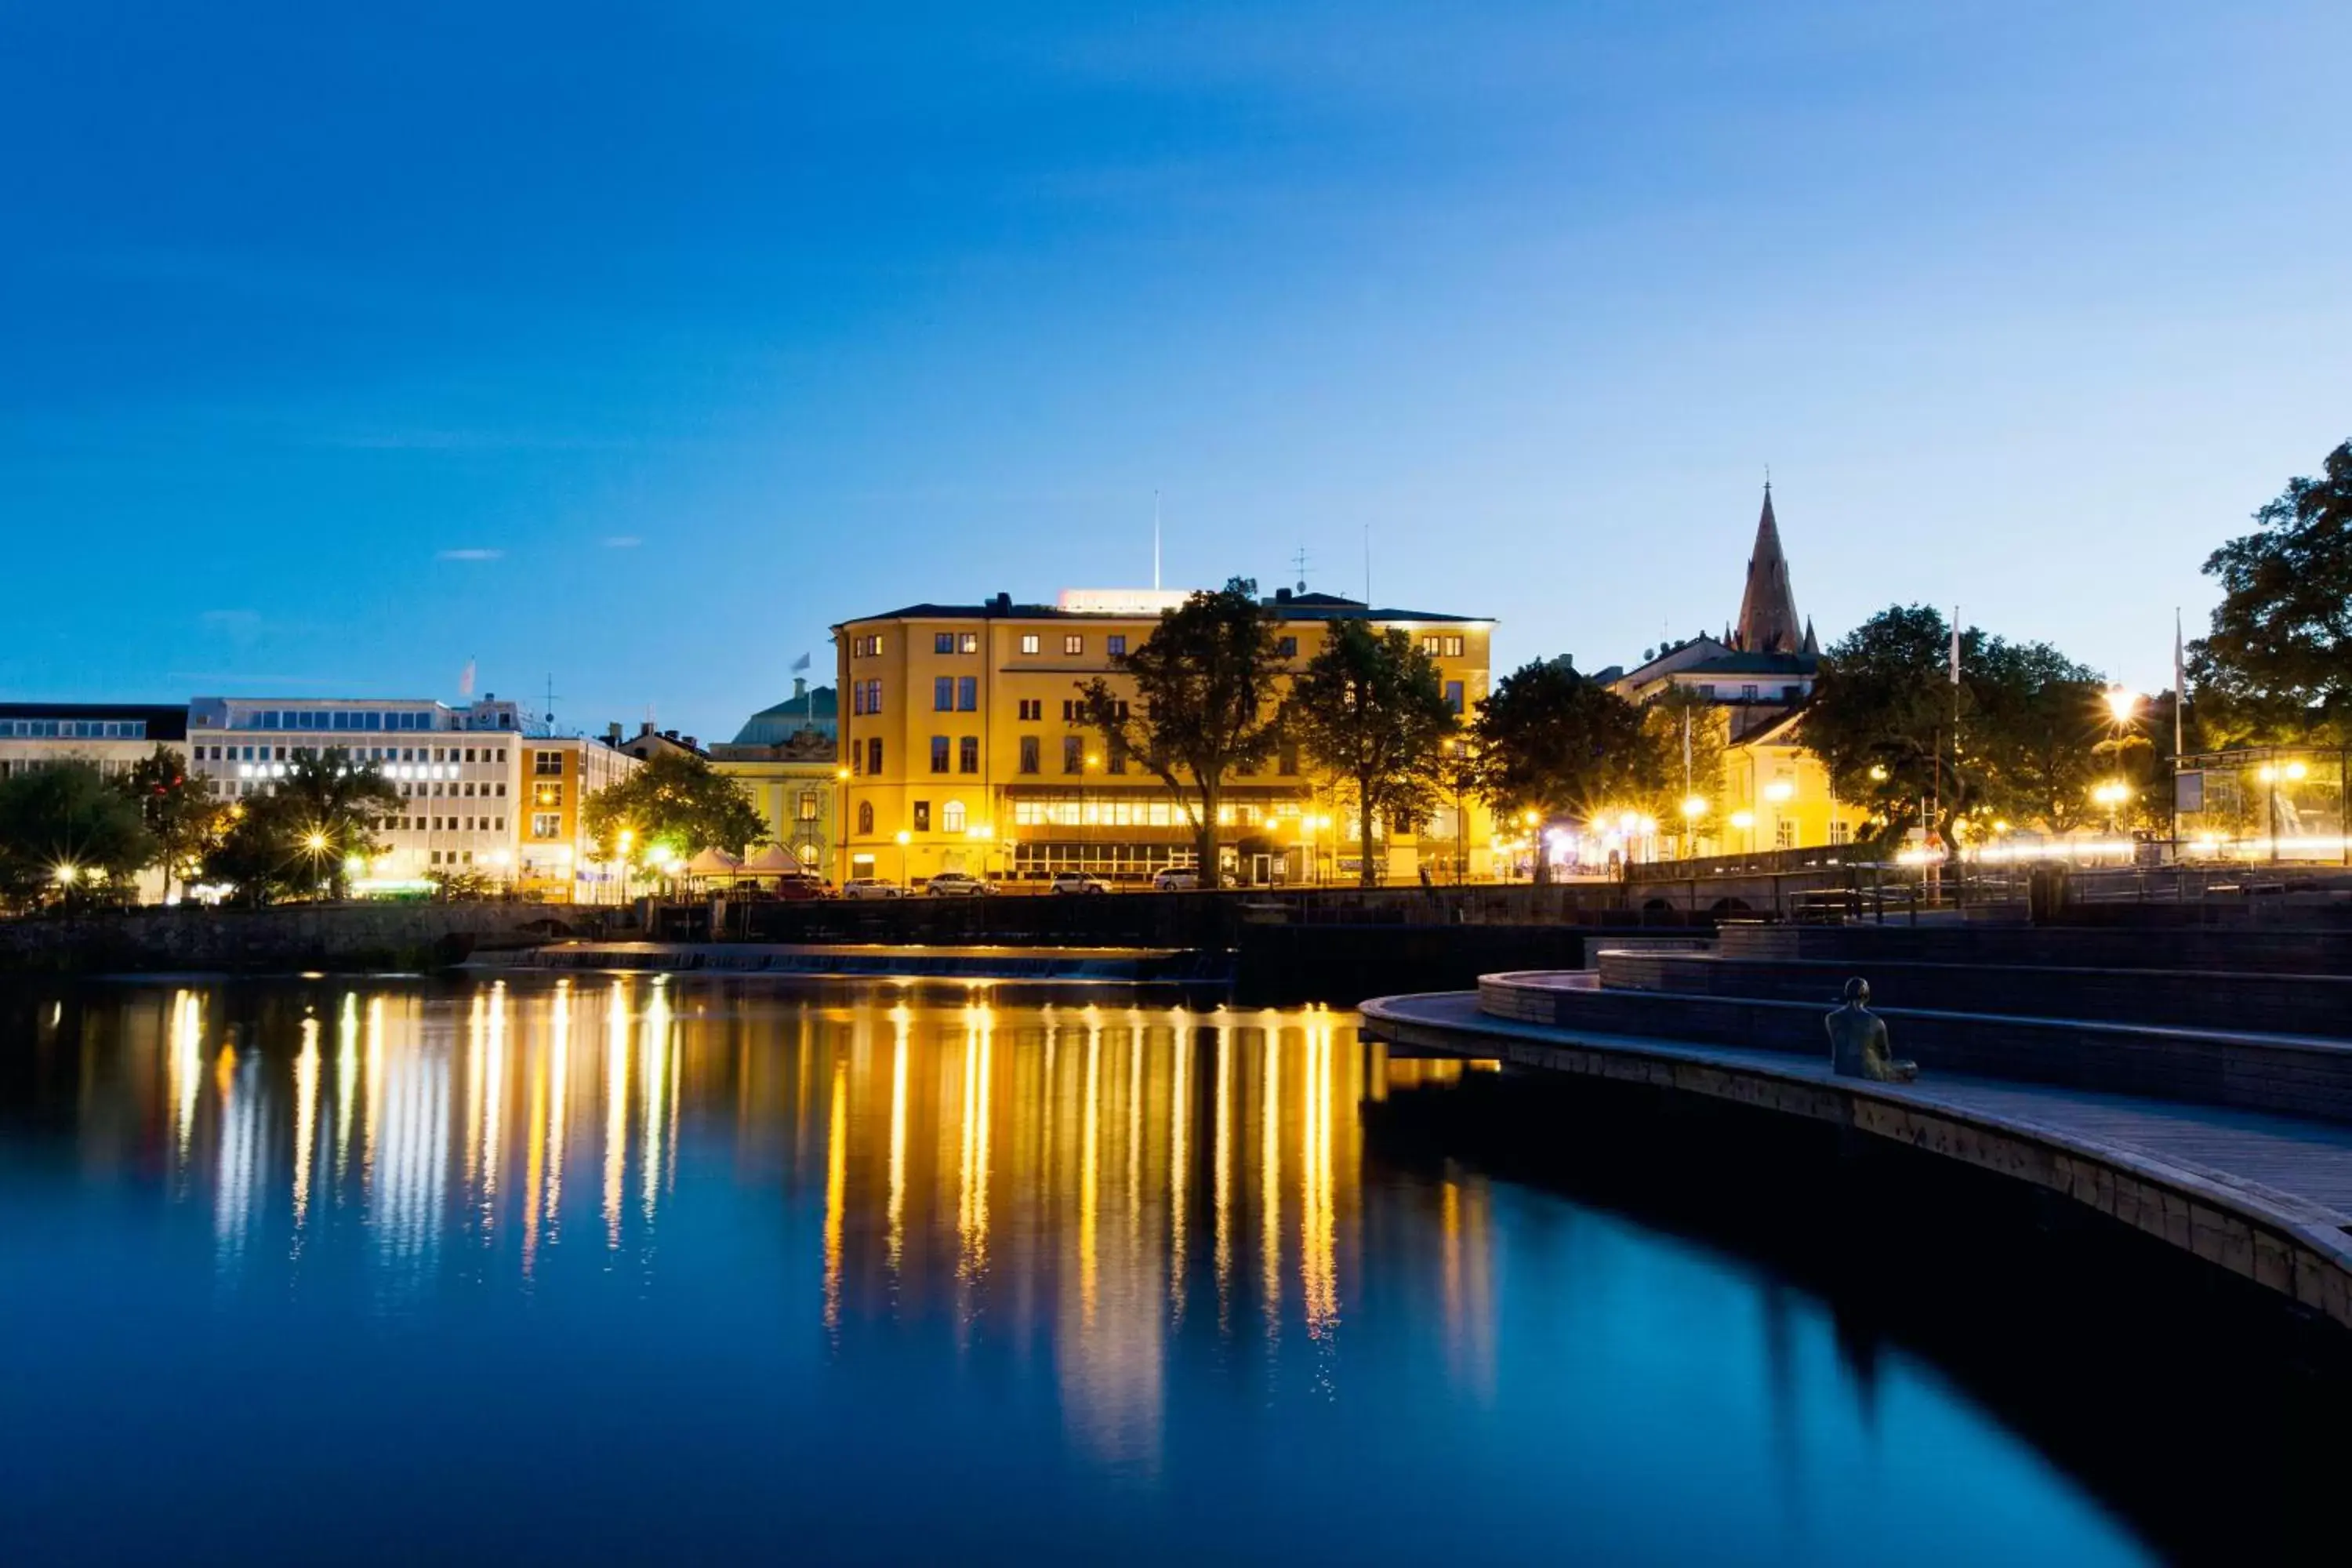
(978, 1063)
(616, 1108)
(1318, 1262)
(837, 1189)
(1180, 1122)
(306, 1117)
(234, 1194)
(559, 1101)
(1090, 1169)
(535, 1148)
(494, 1099)
(1269, 1153)
(186, 1067)
(371, 1076)
(477, 1015)
(1134, 1132)
(347, 1077)
(653, 1051)
(901, 1021)
(1224, 1156)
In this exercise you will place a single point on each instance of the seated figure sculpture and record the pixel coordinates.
(1858, 1040)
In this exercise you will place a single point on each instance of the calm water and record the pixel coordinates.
(636, 1269)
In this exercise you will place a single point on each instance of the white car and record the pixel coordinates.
(1076, 882)
(1175, 879)
(871, 888)
(956, 885)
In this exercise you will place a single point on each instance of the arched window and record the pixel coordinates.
(864, 817)
(951, 817)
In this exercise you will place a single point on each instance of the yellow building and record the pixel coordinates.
(553, 858)
(963, 750)
(1753, 681)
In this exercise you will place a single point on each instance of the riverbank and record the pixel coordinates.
(341, 938)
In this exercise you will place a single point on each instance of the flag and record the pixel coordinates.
(1956, 645)
(466, 679)
(800, 663)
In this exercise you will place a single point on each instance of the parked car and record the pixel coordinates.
(800, 890)
(1175, 879)
(871, 888)
(956, 885)
(1076, 882)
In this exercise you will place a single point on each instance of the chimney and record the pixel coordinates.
(645, 728)
(1001, 605)
(1282, 595)
(800, 686)
(611, 734)
(692, 744)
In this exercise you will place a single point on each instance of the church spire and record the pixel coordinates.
(1768, 609)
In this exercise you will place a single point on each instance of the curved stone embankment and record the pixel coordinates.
(1127, 966)
(2266, 1197)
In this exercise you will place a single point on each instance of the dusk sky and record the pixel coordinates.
(635, 346)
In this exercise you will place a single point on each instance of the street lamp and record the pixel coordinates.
(2112, 794)
(1746, 822)
(904, 839)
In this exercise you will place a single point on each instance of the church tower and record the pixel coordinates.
(1768, 609)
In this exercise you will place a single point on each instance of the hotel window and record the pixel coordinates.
(547, 824)
(1707, 691)
(1028, 754)
(968, 754)
(874, 753)
(967, 642)
(943, 694)
(1074, 754)
(1454, 695)
(1453, 647)
(866, 816)
(808, 806)
(951, 817)
(1074, 644)
(1841, 831)
(1028, 642)
(874, 696)
(1118, 756)
(1747, 694)
(1033, 708)
(1287, 761)
(922, 817)
(943, 642)
(546, 795)
(1114, 644)
(1285, 648)
(968, 694)
(866, 647)
(1073, 710)
(1784, 834)
(938, 753)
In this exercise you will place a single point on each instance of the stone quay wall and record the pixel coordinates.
(287, 937)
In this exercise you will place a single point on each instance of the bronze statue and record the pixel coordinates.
(1858, 1040)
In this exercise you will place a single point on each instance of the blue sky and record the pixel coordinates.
(634, 345)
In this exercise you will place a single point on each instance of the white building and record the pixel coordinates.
(459, 769)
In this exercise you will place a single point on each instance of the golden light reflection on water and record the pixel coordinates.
(997, 1167)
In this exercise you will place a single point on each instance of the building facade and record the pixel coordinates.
(554, 859)
(110, 737)
(787, 758)
(458, 771)
(964, 748)
(1750, 686)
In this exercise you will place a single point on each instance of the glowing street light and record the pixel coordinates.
(2123, 704)
(66, 874)
(1694, 807)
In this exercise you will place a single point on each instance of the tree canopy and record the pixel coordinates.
(2277, 664)
(184, 820)
(299, 840)
(1371, 708)
(67, 834)
(1205, 683)
(2017, 740)
(1550, 740)
(678, 802)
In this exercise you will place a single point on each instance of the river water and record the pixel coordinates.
(637, 1269)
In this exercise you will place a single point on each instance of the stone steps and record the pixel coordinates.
(2238, 1000)
(2287, 1073)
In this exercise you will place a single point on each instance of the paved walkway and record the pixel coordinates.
(2288, 1174)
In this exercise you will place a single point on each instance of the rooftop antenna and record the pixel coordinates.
(1298, 559)
(1155, 540)
(550, 703)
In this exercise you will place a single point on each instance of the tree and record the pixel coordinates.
(1551, 740)
(2017, 739)
(67, 834)
(1370, 708)
(300, 839)
(1688, 731)
(2277, 664)
(1205, 680)
(680, 802)
(184, 820)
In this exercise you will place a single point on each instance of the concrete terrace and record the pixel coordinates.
(2267, 1197)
